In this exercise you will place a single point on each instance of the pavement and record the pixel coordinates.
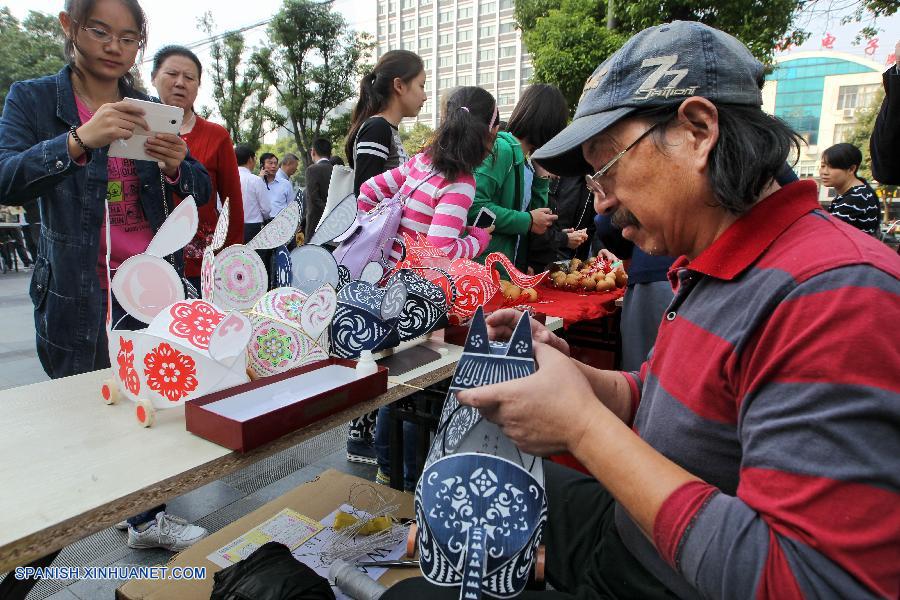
(212, 506)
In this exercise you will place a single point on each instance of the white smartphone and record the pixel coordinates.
(161, 118)
(485, 218)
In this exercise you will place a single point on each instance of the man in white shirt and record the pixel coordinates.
(256, 201)
(279, 191)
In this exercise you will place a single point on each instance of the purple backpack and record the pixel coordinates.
(373, 233)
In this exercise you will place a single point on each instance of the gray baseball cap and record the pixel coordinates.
(659, 66)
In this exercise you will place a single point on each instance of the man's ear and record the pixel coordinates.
(701, 121)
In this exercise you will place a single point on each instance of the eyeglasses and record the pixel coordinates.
(105, 37)
(593, 181)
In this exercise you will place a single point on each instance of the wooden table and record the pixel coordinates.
(71, 465)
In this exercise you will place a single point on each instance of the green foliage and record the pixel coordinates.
(568, 43)
(416, 138)
(238, 92)
(32, 48)
(860, 134)
(312, 63)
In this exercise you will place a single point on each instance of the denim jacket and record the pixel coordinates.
(35, 163)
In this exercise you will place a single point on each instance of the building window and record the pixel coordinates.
(507, 75)
(404, 4)
(487, 7)
(485, 77)
(428, 63)
(842, 132)
(464, 58)
(408, 44)
(392, 27)
(506, 98)
(381, 6)
(445, 39)
(809, 168)
(408, 24)
(856, 96)
(507, 27)
(527, 72)
(507, 51)
(504, 4)
(486, 31)
(425, 41)
(425, 21)
(445, 83)
(464, 12)
(464, 80)
(445, 16)
(486, 54)
(464, 35)
(424, 2)
(445, 60)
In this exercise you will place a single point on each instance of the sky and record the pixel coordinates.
(175, 22)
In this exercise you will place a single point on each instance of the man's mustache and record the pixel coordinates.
(622, 218)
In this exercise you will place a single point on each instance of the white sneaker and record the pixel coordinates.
(121, 525)
(168, 532)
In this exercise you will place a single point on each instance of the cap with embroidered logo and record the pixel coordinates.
(658, 66)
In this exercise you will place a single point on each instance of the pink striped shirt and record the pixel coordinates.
(437, 208)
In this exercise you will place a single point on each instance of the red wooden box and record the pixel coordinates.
(258, 430)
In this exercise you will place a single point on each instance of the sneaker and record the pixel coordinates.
(121, 525)
(168, 532)
(358, 451)
(382, 478)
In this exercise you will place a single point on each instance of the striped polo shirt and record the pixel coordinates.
(776, 379)
(435, 206)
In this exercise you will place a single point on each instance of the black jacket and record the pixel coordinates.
(885, 143)
(569, 198)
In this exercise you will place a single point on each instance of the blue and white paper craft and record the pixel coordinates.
(480, 503)
(480, 523)
(281, 267)
(425, 309)
(367, 317)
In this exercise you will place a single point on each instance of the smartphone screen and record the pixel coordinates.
(485, 219)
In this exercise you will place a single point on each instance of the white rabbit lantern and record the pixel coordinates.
(236, 277)
(189, 349)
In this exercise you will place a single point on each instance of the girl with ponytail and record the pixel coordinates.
(439, 187)
(395, 89)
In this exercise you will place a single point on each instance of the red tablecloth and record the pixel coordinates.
(570, 306)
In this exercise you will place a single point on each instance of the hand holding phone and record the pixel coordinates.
(485, 218)
(157, 119)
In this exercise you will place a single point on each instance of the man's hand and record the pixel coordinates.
(541, 219)
(545, 413)
(502, 323)
(576, 238)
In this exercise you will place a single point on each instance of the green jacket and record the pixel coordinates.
(495, 188)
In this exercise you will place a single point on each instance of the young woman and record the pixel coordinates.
(509, 184)
(440, 188)
(856, 202)
(176, 76)
(393, 90)
(54, 138)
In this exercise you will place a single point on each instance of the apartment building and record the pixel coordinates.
(462, 42)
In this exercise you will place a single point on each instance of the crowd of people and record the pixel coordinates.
(748, 412)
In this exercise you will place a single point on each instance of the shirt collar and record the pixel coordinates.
(748, 237)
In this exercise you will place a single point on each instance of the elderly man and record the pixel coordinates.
(756, 454)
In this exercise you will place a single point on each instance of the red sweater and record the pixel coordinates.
(210, 144)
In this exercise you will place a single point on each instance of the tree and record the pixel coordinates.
(569, 38)
(238, 92)
(30, 49)
(416, 138)
(312, 62)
